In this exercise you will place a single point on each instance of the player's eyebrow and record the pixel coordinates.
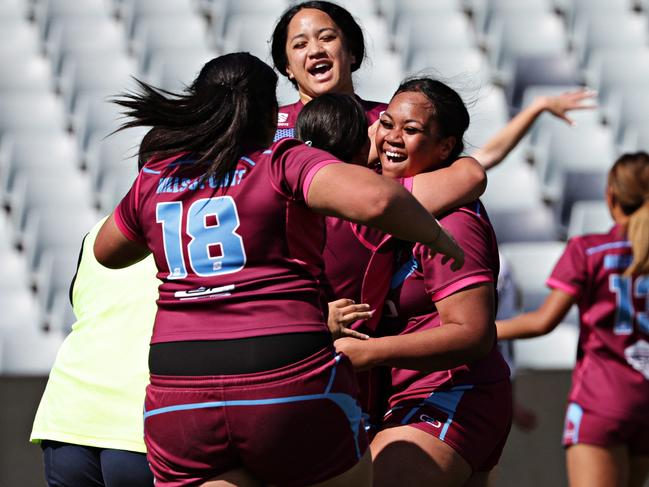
(302, 34)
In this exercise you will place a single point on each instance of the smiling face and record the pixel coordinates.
(408, 139)
(318, 58)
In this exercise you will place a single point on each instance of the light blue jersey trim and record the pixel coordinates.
(607, 246)
(446, 401)
(403, 273)
(149, 171)
(249, 161)
(574, 414)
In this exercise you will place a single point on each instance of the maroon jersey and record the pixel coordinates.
(421, 281)
(237, 263)
(358, 260)
(611, 376)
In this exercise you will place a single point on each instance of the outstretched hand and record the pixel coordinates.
(344, 312)
(559, 105)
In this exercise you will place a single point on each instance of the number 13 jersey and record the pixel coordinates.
(611, 376)
(234, 263)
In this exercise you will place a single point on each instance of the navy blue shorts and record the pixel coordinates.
(68, 465)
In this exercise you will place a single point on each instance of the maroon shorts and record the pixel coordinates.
(474, 420)
(588, 428)
(296, 425)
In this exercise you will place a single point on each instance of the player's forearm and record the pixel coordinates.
(462, 182)
(501, 144)
(527, 325)
(441, 348)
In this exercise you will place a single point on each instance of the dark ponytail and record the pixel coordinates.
(230, 104)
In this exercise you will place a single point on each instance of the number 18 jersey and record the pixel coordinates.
(237, 263)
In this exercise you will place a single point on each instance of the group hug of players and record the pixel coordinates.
(257, 216)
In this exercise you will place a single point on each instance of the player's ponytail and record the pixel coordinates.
(629, 184)
(230, 104)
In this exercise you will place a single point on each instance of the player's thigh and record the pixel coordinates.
(404, 455)
(68, 465)
(122, 468)
(638, 470)
(596, 466)
(234, 478)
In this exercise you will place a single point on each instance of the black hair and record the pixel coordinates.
(450, 112)
(335, 123)
(231, 103)
(352, 33)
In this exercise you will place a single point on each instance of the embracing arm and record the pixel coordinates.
(113, 250)
(467, 333)
(358, 194)
(462, 182)
(497, 148)
(539, 322)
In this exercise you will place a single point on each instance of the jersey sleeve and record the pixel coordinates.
(126, 214)
(570, 272)
(294, 165)
(475, 239)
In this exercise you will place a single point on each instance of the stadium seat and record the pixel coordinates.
(486, 12)
(55, 230)
(286, 92)
(394, 10)
(18, 37)
(35, 155)
(513, 37)
(488, 110)
(20, 311)
(504, 195)
(635, 138)
(30, 352)
(629, 108)
(612, 71)
(54, 274)
(544, 70)
(586, 150)
(221, 13)
(532, 224)
(441, 32)
(174, 70)
(69, 39)
(17, 112)
(159, 35)
(15, 266)
(60, 317)
(96, 76)
(14, 10)
(555, 351)
(93, 119)
(49, 12)
(577, 10)
(378, 77)
(52, 197)
(134, 11)
(589, 217)
(580, 184)
(28, 73)
(531, 264)
(465, 69)
(609, 30)
(249, 33)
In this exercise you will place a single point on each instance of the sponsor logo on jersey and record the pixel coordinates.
(637, 356)
(203, 292)
(431, 421)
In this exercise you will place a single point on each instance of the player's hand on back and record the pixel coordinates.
(344, 312)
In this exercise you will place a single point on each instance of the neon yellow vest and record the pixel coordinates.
(95, 392)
